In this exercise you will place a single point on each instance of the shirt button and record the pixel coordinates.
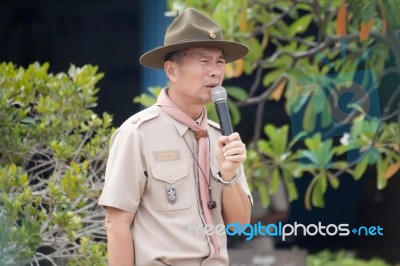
(135, 120)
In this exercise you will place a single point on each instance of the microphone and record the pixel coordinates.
(218, 96)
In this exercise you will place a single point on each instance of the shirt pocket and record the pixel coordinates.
(170, 186)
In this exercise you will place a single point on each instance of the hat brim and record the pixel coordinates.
(156, 57)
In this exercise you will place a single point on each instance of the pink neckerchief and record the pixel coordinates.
(204, 151)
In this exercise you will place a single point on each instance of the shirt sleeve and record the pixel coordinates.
(243, 182)
(125, 178)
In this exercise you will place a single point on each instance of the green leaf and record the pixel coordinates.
(381, 181)
(307, 196)
(300, 25)
(334, 181)
(320, 103)
(326, 117)
(234, 113)
(290, 185)
(296, 138)
(271, 77)
(28, 120)
(360, 168)
(278, 139)
(274, 184)
(264, 196)
(260, 173)
(368, 10)
(270, 131)
(299, 103)
(256, 51)
(292, 191)
(265, 148)
(314, 143)
(75, 167)
(212, 112)
(282, 29)
(236, 93)
(317, 198)
(23, 180)
(145, 99)
(309, 117)
(340, 164)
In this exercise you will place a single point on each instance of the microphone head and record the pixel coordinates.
(218, 93)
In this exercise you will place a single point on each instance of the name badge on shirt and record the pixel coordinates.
(170, 155)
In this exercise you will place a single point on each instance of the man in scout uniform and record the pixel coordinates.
(172, 180)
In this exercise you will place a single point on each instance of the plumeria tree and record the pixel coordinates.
(326, 62)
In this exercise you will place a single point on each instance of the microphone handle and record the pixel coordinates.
(224, 118)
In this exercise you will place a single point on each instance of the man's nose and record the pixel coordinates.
(217, 70)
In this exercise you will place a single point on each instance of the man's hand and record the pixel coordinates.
(230, 154)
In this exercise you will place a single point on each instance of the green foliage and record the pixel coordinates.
(148, 99)
(341, 258)
(305, 54)
(52, 158)
(274, 159)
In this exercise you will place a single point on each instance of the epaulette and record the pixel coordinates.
(213, 124)
(145, 115)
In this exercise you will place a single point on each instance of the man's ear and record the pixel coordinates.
(171, 70)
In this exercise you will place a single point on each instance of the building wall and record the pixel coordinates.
(109, 34)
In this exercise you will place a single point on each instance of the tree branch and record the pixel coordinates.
(256, 81)
(261, 29)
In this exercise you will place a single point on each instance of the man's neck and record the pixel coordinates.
(192, 111)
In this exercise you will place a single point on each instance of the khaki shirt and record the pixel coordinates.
(150, 154)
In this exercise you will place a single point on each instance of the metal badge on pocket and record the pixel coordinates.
(171, 194)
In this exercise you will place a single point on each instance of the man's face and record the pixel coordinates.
(200, 70)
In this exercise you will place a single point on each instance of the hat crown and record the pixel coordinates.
(192, 25)
(193, 29)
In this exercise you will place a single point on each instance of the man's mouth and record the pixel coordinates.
(211, 85)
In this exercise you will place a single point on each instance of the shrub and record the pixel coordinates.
(341, 258)
(53, 150)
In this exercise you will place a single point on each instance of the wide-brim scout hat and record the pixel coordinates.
(193, 29)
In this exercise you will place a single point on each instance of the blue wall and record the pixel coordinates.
(153, 27)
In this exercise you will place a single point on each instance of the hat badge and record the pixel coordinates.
(212, 34)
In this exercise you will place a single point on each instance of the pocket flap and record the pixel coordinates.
(170, 172)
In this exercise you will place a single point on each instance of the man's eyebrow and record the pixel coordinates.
(203, 55)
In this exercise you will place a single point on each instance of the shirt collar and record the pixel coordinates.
(181, 128)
